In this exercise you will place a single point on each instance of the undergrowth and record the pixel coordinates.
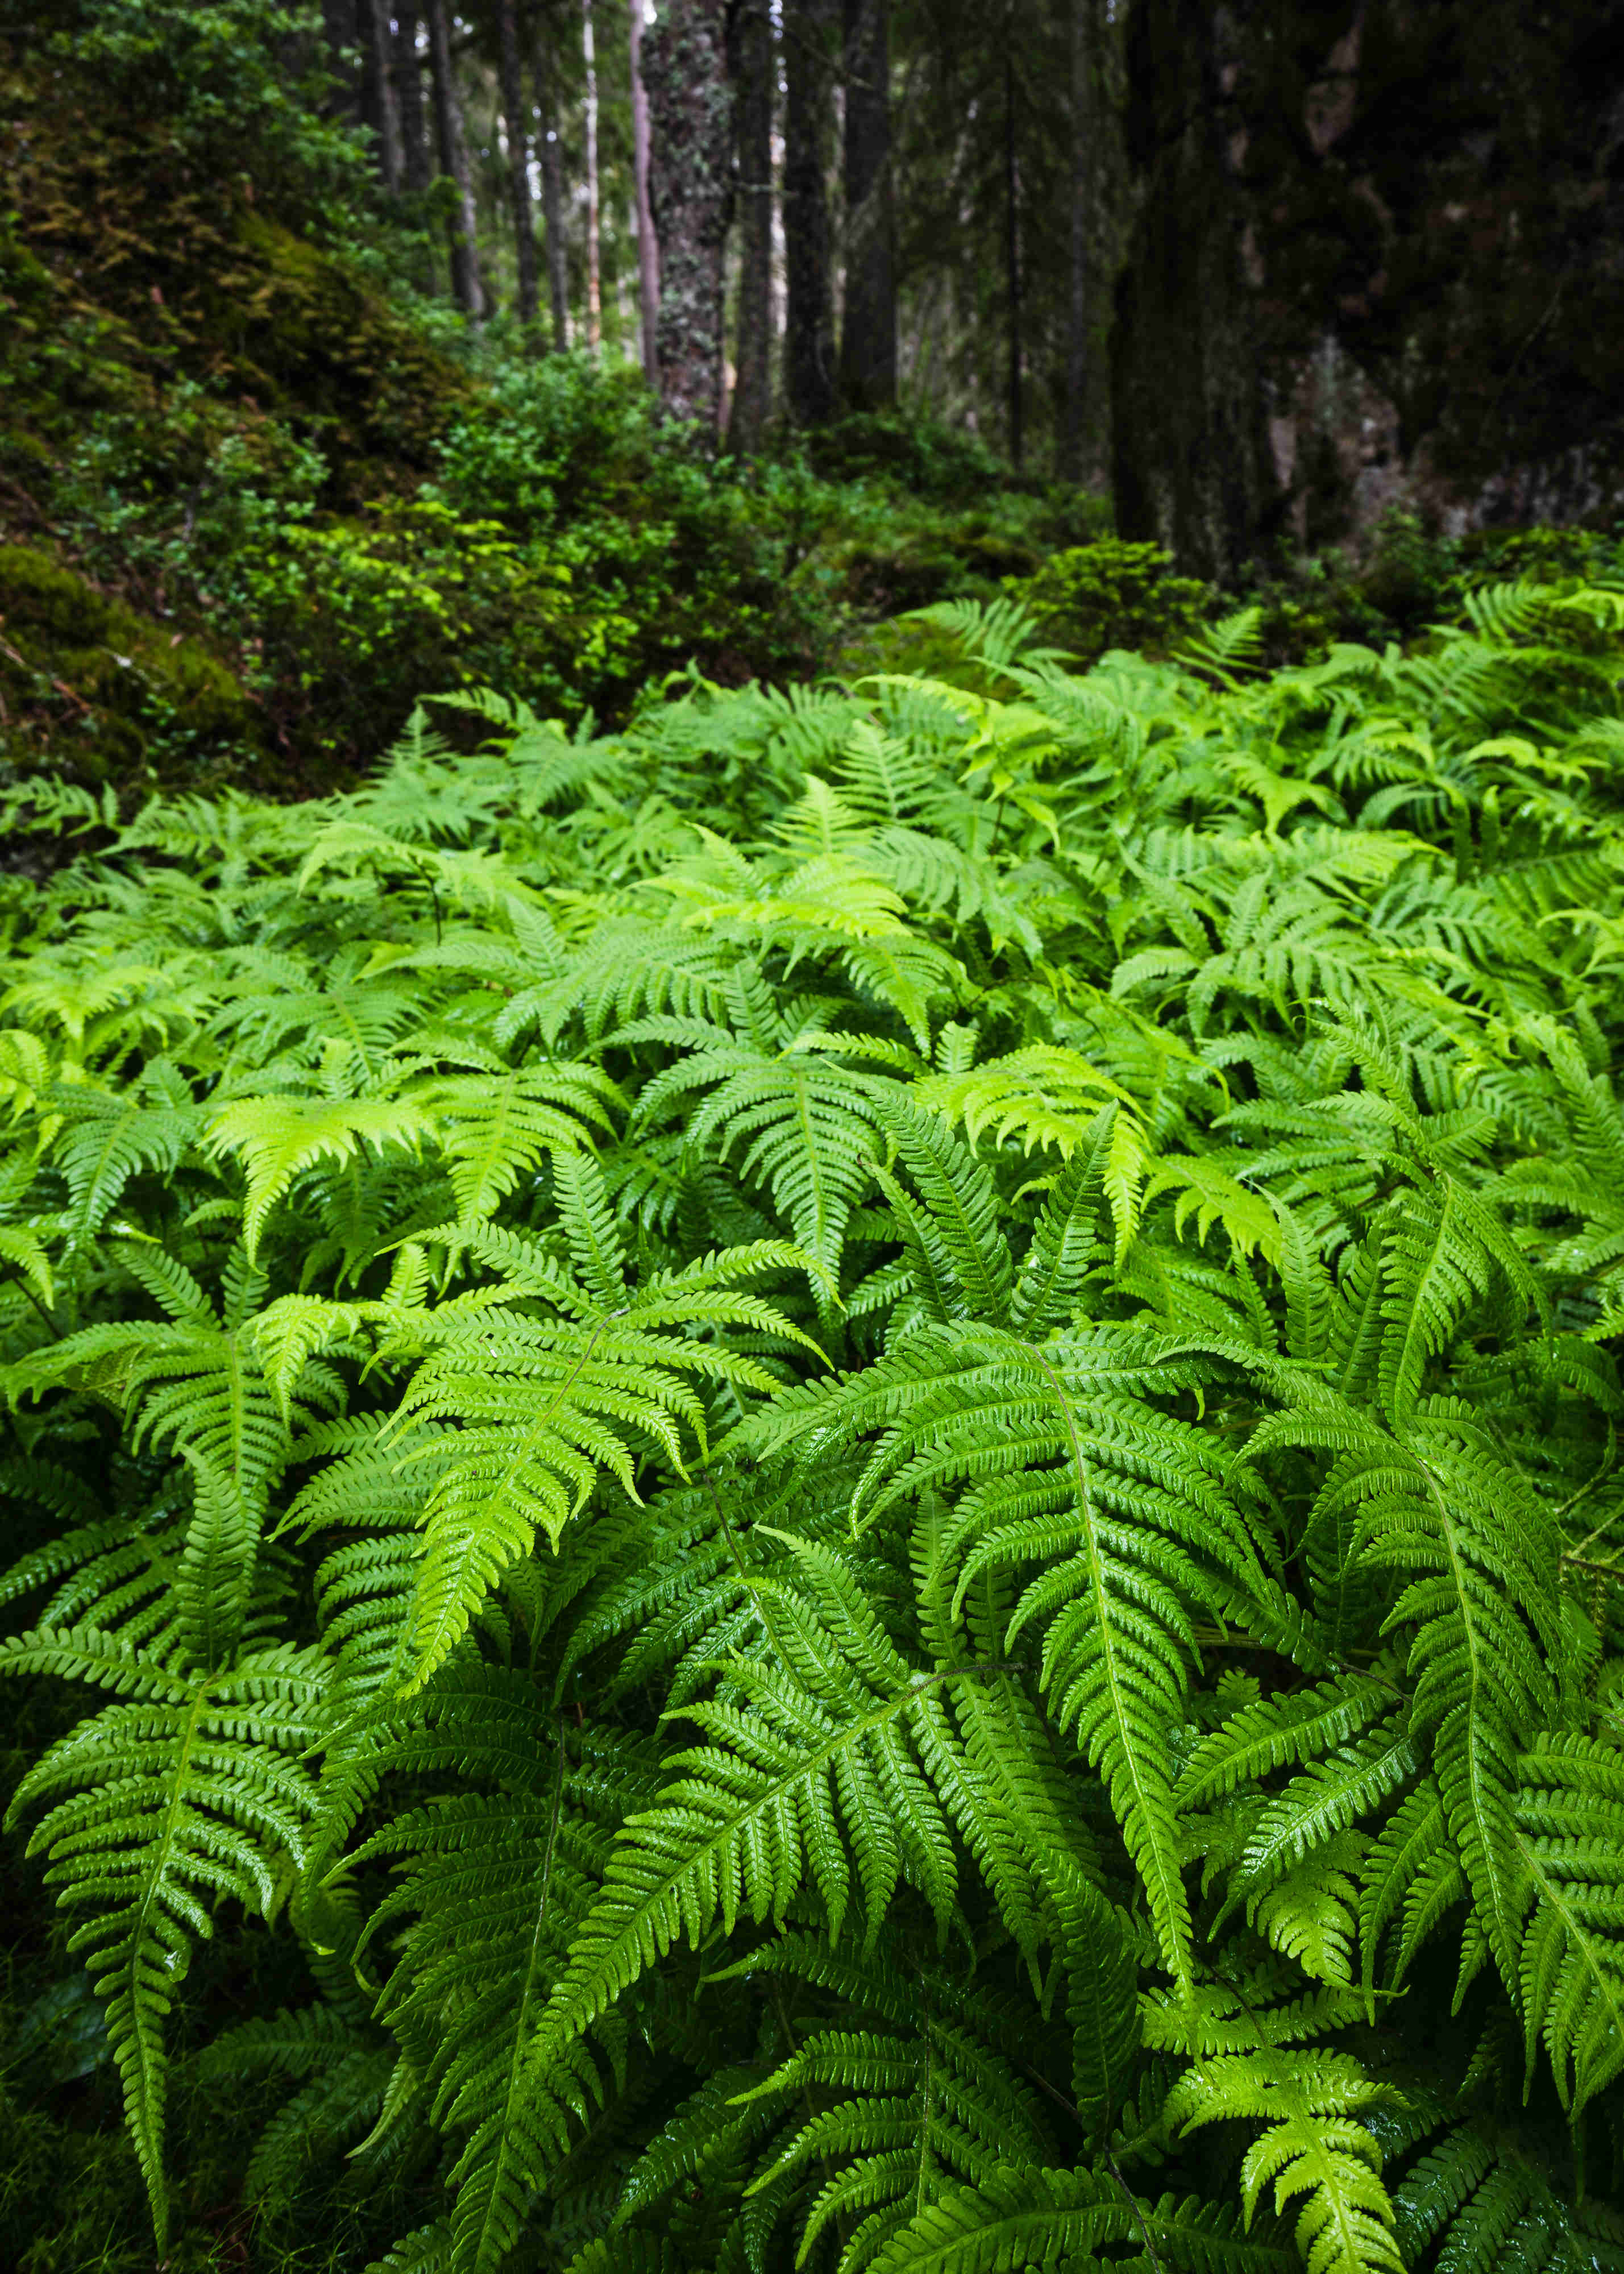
(835, 1484)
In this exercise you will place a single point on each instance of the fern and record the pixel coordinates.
(856, 1454)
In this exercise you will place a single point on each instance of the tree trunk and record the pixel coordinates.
(594, 258)
(552, 193)
(1079, 309)
(1012, 255)
(809, 68)
(338, 25)
(752, 61)
(648, 244)
(691, 191)
(1192, 467)
(415, 172)
(869, 333)
(465, 285)
(377, 106)
(515, 116)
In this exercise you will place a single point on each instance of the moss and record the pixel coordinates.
(324, 338)
(102, 688)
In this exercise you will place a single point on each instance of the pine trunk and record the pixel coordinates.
(515, 115)
(868, 332)
(691, 192)
(648, 244)
(809, 71)
(465, 285)
(553, 193)
(752, 62)
(594, 258)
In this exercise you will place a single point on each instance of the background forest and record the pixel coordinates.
(811, 833)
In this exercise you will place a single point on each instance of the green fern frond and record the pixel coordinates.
(186, 1791)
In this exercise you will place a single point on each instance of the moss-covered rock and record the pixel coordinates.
(88, 682)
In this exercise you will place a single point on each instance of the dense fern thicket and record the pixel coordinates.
(857, 1458)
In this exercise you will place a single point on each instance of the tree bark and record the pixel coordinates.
(1192, 468)
(1079, 309)
(377, 106)
(516, 118)
(1012, 255)
(809, 69)
(415, 172)
(552, 193)
(594, 256)
(752, 61)
(691, 191)
(869, 333)
(465, 285)
(648, 244)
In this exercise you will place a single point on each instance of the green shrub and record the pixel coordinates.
(1113, 594)
(939, 464)
(352, 620)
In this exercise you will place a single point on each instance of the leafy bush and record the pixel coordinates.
(1111, 593)
(222, 81)
(856, 1454)
(942, 465)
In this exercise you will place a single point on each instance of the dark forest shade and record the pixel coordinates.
(415, 170)
(378, 102)
(1193, 469)
(1085, 61)
(811, 66)
(516, 119)
(869, 327)
(691, 192)
(466, 287)
(551, 184)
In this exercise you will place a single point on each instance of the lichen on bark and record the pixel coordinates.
(684, 67)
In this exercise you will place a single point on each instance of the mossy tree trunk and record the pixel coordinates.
(691, 191)
(809, 71)
(752, 60)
